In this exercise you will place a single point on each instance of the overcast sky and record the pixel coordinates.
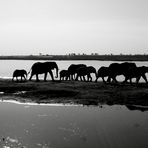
(68, 26)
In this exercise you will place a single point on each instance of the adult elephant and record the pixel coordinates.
(85, 71)
(44, 68)
(19, 73)
(102, 72)
(73, 68)
(136, 72)
(116, 69)
(64, 74)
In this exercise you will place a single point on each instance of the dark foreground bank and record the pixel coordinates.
(74, 92)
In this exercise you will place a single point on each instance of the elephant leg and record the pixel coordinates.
(103, 80)
(144, 77)
(131, 81)
(90, 78)
(137, 79)
(51, 74)
(69, 78)
(76, 79)
(66, 78)
(72, 77)
(84, 78)
(115, 80)
(30, 77)
(125, 80)
(37, 78)
(80, 78)
(45, 76)
(96, 78)
(24, 78)
(109, 79)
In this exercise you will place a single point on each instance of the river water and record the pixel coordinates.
(70, 126)
(8, 66)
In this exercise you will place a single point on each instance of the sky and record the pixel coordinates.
(73, 26)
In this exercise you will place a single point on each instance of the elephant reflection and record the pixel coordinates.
(85, 71)
(19, 73)
(43, 68)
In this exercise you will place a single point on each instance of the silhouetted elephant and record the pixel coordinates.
(102, 72)
(19, 73)
(85, 71)
(44, 68)
(136, 72)
(64, 74)
(73, 68)
(116, 69)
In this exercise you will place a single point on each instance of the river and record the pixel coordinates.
(71, 126)
(8, 66)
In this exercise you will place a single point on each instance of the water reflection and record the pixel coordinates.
(64, 126)
(88, 103)
(140, 108)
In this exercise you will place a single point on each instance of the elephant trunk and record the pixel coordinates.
(56, 71)
(26, 75)
(96, 74)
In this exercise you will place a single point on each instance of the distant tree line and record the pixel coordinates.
(94, 56)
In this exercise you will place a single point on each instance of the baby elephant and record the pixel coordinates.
(19, 73)
(64, 74)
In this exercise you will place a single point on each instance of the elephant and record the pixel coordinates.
(136, 72)
(116, 69)
(85, 71)
(102, 72)
(73, 68)
(64, 74)
(19, 73)
(43, 68)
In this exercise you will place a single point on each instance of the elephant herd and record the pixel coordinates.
(83, 72)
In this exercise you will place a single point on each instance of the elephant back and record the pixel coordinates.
(103, 71)
(38, 67)
(91, 69)
(82, 70)
(120, 68)
(51, 65)
(42, 67)
(19, 72)
(135, 72)
(73, 68)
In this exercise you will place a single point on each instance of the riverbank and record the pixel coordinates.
(86, 93)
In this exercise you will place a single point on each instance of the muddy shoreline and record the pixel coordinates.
(86, 93)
